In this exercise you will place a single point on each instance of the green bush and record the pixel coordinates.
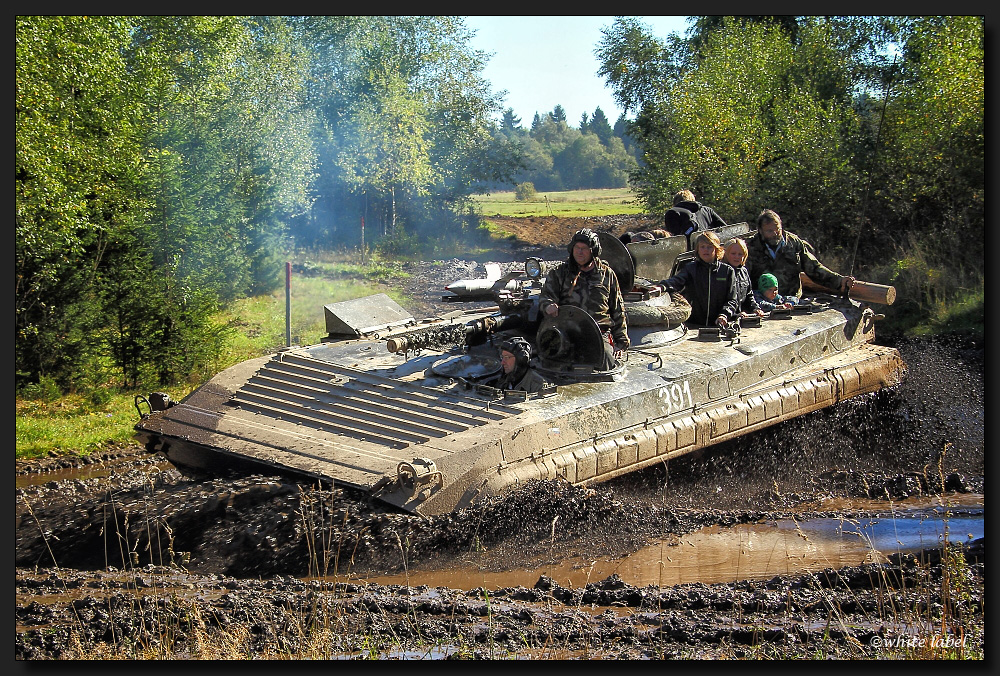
(525, 191)
(397, 243)
(99, 397)
(46, 389)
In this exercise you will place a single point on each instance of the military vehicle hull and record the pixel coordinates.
(412, 422)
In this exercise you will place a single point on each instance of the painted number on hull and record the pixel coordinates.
(677, 397)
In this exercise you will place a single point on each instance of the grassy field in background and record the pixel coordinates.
(570, 203)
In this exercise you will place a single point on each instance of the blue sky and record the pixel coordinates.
(546, 60)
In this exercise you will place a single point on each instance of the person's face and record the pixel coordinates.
(581, 254)
(771, 232)
(508, 361)
(706, 251)
(734, 257)
(771, 293)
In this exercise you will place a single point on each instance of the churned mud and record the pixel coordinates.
(121, 555)
(138, 554)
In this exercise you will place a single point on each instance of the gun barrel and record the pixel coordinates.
(450, 334)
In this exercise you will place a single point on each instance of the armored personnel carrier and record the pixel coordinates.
(403, 408)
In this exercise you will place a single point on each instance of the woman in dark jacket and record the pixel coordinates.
(708, 284)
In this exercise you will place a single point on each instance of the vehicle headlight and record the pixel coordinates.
(534, 268)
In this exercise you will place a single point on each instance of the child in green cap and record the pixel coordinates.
(767, 295)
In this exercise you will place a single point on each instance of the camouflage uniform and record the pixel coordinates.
(796, 255)
(596, 292)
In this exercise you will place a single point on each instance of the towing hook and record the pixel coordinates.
(418, 477)
(158, 401)
(141, 398)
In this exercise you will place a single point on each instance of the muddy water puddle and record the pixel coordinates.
(743, 552)
(96, 471)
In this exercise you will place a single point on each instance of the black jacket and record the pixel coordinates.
(687, 217)
(744, 291)
(709, 288)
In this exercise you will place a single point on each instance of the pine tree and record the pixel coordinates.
(599, 125)
(510, 122)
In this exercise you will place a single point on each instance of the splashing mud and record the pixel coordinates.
(924, 435)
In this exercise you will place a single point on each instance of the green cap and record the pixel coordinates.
(766, 281)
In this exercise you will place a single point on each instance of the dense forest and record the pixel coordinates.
(166, 165)
(558, 156)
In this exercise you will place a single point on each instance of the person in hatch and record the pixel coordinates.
(688, 216)
(708, 284)
(515, 357)
(586, 281)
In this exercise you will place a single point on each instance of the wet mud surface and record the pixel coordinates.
(144, 551)
(127, 557)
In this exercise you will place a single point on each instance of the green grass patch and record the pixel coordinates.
(568, 204)
(74, 425)
(260, 322)
(495, 231)
(965, 314)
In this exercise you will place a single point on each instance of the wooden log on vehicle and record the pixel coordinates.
(868, 292)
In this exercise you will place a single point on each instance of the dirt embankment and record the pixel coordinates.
(556, 232)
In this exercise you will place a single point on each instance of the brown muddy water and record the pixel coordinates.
(84, 473)
(719, 554)
(714, 554)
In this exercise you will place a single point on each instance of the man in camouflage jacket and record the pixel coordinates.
(784, 255)
(588, 282)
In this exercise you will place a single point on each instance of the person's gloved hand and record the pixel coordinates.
(721, 321)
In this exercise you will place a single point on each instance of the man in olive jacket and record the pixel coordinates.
(784, 255)
(588, 282)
